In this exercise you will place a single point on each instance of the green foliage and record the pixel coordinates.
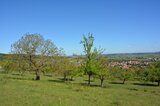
(154, 72)
(100, 67)
(88, 46)
(151, 73)
(68, 67)
(94, 63)
(145, 75)
(122, 74)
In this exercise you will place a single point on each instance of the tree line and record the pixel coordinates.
(32, 53)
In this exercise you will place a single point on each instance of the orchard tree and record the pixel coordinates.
(99, 65)
(76, 68)
(65, 67)
(68, 67)
(90, 57)
(35, 51)
(54, 64)
(123, 74)
(154, 72)
(88, 46)
(137, 74)
(145, 74)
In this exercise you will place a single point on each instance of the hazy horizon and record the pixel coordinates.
(119, 26)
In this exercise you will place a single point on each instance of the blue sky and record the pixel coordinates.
(119, 26)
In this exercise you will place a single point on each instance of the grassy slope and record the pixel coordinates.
(16, 90)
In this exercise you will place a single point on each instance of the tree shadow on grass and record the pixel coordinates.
(18, 78)
(116, 83)
(59, 80)
(132, 89)
(91, 85)
(47, 75)
(142, 84)
(90, 80)
(18, 74)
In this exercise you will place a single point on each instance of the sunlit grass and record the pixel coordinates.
(51, 91)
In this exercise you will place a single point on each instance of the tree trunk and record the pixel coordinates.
(65, 77)
(71, 78)
(44, 73)
(89, 79)
(38, 75)
(102, 82)
(124, 81)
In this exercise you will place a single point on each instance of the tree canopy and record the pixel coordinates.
(35, 51)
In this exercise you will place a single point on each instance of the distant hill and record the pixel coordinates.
(2, 55)
(133, 55)
(145, 53)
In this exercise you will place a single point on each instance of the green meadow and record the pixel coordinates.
(16, 90)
